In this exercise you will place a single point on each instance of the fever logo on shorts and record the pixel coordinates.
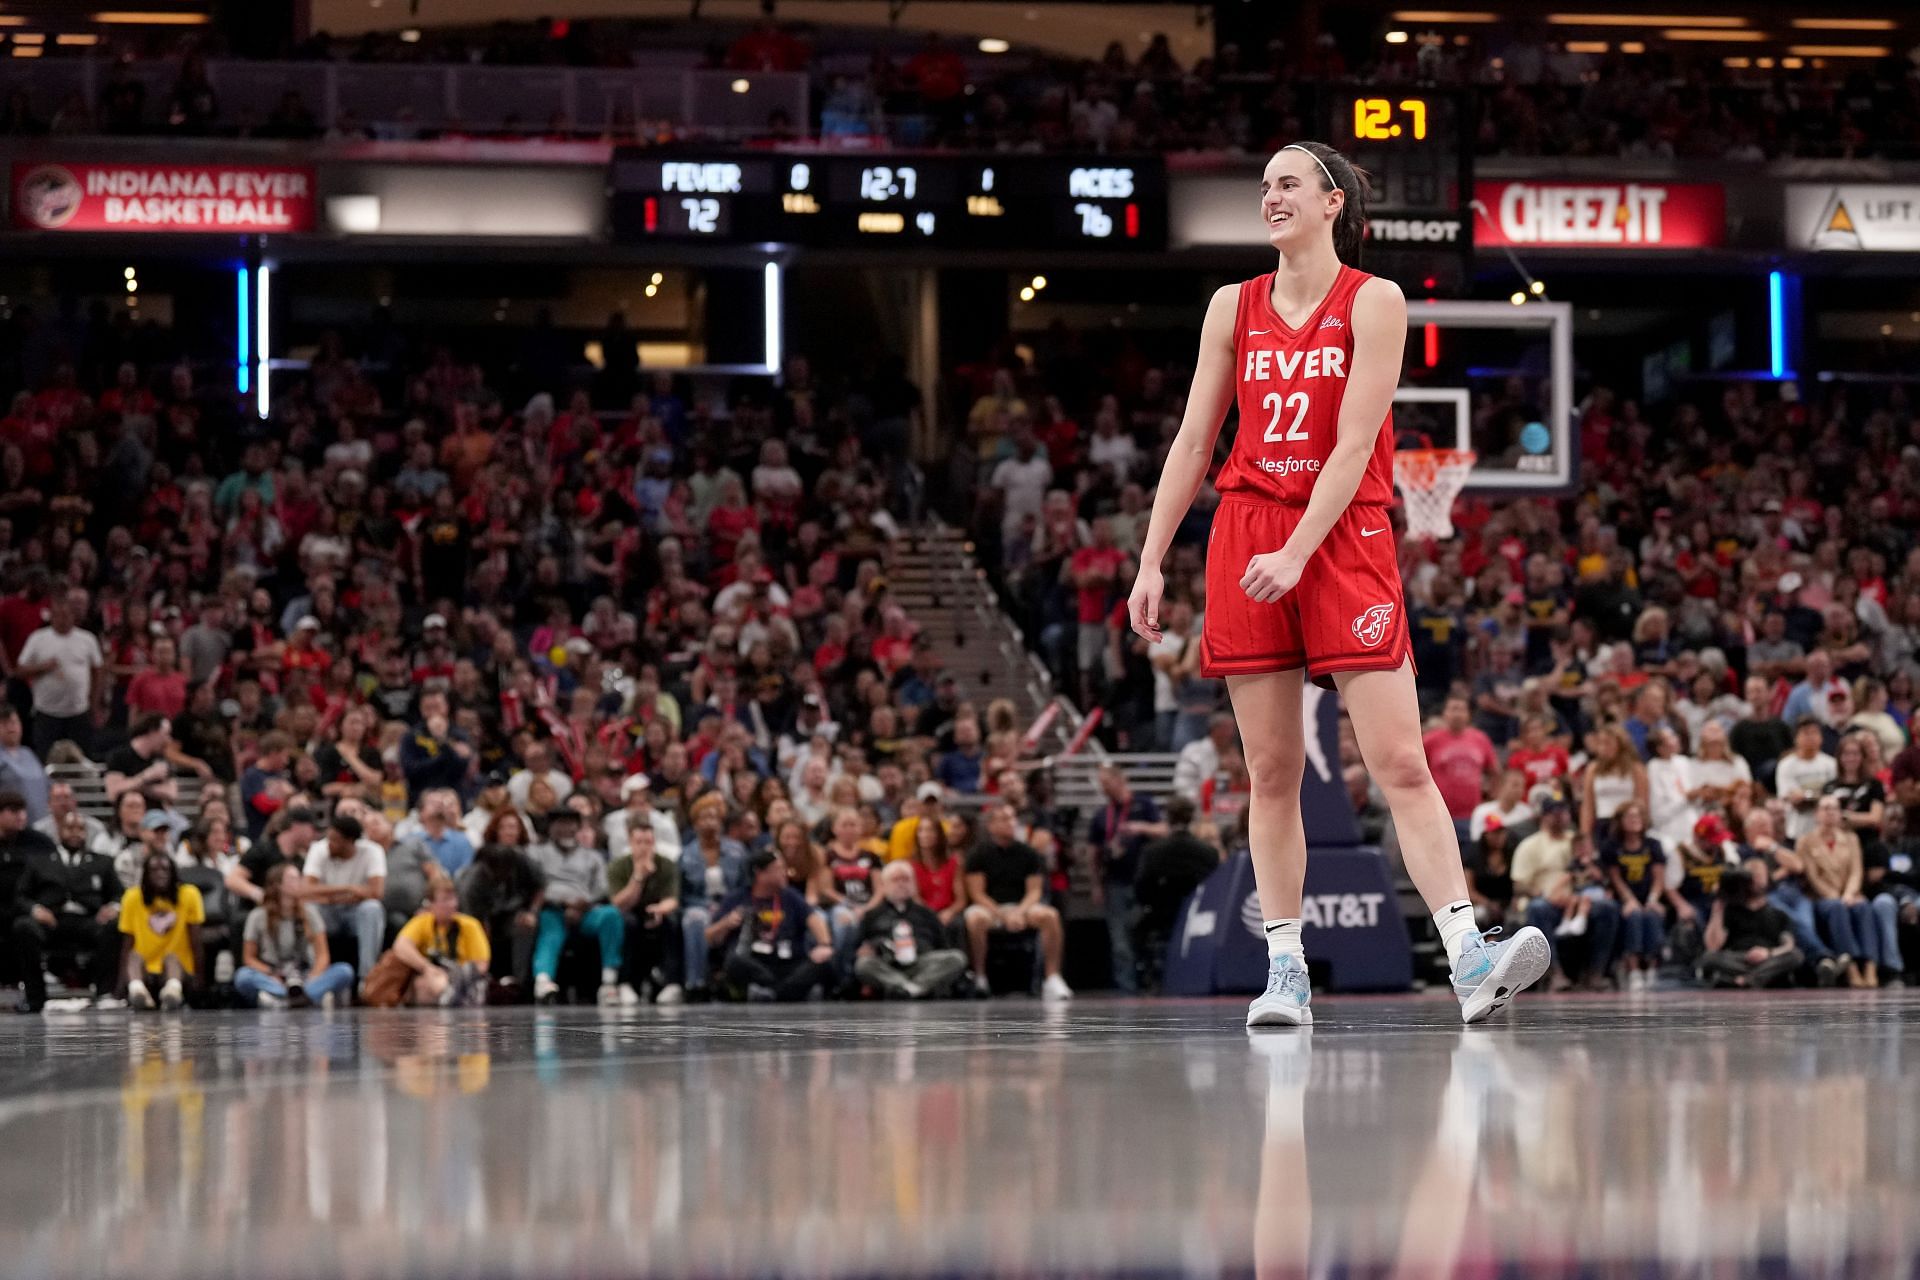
(1370, 628)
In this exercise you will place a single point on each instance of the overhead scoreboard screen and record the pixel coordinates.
(1416, 143)
(906, 201)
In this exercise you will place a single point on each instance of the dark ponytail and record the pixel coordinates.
(1350, 228)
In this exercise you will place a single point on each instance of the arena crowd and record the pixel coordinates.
(1539, 97)
(404, 694)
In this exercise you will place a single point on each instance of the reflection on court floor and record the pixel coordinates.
(1013, 1138)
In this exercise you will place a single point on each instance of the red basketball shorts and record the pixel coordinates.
(1346, 614)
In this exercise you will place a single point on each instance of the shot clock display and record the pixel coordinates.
(1415, 143)
(1378, 119)
(1409, 141)
(942, 201)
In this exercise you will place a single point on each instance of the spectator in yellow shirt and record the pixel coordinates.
(447, 951)
(931, 804)
(161, 919)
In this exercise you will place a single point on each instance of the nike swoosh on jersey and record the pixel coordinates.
(1368, 533)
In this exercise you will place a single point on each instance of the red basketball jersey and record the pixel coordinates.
(1291, 382)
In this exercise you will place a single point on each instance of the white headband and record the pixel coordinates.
(1294, 146)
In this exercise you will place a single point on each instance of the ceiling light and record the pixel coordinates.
(138, 17)
(1537, 288)
(29, 37)
(1841, 50)
(1587, 46)
(1736, 63)
(1026, 294)
(1518, 299)
(1641, 20)
(1396, 37)
(741, 86)
(27, 51)
(1765, 64)
(1845, 24)
(129, 273)
(652, 289)
(1632, 46)
(1039, 282)
(1717, 37)
(657, 278)
(1443, 15)
(993, 44)
(1793, 64)
(410, 36)
(77, 37)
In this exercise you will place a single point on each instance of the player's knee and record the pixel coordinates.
(1401, 768)
(1042, 914)
(1275, 771)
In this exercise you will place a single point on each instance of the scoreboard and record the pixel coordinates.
(901, 200)
(1417, 144)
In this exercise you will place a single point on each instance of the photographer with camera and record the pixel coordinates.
(1749, 942)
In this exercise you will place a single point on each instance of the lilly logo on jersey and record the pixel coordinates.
(1332, 322)
(1370, 628)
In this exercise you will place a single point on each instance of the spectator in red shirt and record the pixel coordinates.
(893, 649)
(731, 519)
(936, 873)
(1462, 759)
(1536, 754)
(767, 48)
(937, 72)
(127, 397)
(1094, 571)
(59, 400)
(21, 614)
(301, 654)
(29, 430)
(161, 687)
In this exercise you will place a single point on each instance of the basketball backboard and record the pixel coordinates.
(1497, 379)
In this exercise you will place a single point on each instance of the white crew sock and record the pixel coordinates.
(1455, 922)
(1283, 939)
(609, 976)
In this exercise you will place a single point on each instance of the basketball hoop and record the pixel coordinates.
(1429, 481)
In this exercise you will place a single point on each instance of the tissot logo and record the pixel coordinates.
(1414, 230)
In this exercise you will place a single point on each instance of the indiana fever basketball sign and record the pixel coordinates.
(146, 197)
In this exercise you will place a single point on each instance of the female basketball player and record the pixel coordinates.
(1302, 575)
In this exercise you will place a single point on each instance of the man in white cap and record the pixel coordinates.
(434, 663)
(636, 794)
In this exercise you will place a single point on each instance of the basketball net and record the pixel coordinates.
(1429, 481)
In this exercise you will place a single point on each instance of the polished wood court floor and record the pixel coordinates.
(1670, 1134)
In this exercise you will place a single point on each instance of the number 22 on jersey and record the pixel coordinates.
(1297, 402)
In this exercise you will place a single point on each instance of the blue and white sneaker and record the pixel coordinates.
(1284, 1003)
(1489, 974)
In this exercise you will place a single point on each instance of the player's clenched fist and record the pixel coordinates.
(1270, 576)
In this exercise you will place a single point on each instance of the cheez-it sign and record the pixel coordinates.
(1601, 215)
(162, 197)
